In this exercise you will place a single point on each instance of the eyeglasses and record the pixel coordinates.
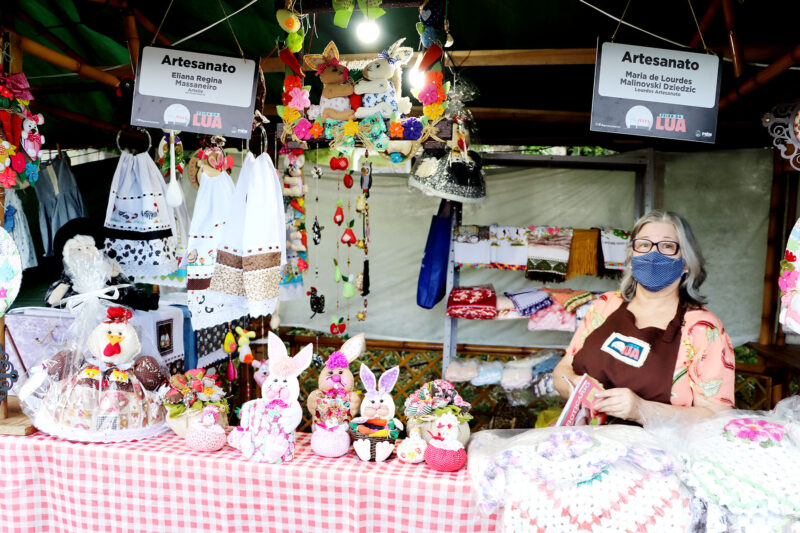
(643, 246)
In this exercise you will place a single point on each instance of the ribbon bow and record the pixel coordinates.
(76, 302)
(34, 137)
(18, 85)
(336, 393)
(332, 61)
(385, 55)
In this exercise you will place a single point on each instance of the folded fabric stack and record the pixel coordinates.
(471, 245)
(509, 247)
(553, 318)
(530, 301)
(570, 299)
(614, 245)
(506, 310)
(460, 370)
(548, 252)
(477, 303)
(489, 373)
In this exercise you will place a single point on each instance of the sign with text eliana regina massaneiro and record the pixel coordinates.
(196, 92)
(655, 93)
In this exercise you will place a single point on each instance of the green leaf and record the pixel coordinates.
(712, 334)
(371, 8)
(420, 28)
(711, 388)
(344, 10)
(446, 87)
(424, 121)
(197, 405)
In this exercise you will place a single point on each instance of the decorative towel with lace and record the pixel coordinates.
(252, 249)
(610, 478)
(614, 245)
(548, 253)
(140, 233)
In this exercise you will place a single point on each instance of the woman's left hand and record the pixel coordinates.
(621, 403)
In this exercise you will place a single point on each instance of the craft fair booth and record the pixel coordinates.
(310, 265)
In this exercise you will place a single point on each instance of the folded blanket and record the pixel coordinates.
(552, 318)
(529, 301)
(471, 245)
(459, 370)
(582, 310)
(477, 303)
(570, 299)
(509, 245)
(548, 252)
(518, 373)
(488, 374)
(614, 245)
(583, 253)
(506, 309)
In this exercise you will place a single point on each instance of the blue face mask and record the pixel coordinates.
(655, 271)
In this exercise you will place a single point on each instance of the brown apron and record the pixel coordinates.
(620, 355)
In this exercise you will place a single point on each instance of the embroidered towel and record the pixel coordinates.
(570, 299)
(508, 245)
(548, 252)
(140, 232)
(530, 301)
(614, 245)
(471, 245)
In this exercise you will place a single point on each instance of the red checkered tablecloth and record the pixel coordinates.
(159, 485)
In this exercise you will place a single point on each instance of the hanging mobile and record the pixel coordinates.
(229, 345)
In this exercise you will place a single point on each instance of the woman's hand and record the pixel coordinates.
(621, 403)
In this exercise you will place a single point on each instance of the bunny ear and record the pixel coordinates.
(395, 45)
(302, 360)
(367, 378)
(313, 61)
(388, 379)
(354, 347)
(403, 54)
(276, 353)
(331, 51)
(239, 330)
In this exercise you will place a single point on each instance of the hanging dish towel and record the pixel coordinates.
(614, 245)
(140, 233)
(59, 200)
(583, 253)
(17, 225)
(252, 250)
(471, 245)
(548, 253)
(211, 210)
(509, 247)
(177, 278)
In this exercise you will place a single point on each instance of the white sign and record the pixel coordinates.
(196, 77)
(656, 75)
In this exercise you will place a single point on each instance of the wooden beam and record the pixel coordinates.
(764, 76)
(323, 6)
(64, 61)
(705, 22)
(564, 161)
(47, 34)
(132, 38)
(736, 52)
(769, 303)
(75, 117)
(145, 23)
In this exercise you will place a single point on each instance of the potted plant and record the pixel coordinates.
(187, 394)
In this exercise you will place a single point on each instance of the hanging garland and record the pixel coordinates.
(20, 140)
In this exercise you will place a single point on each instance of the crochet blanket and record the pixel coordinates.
(479, 303)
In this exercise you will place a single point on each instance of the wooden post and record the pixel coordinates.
(774, 249)
(132, 36)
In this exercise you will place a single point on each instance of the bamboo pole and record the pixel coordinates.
(64, 61)
(770, 298)
(736, 51)
(705, 22)
(47, 34)
(145, 23)
(132, 37)
(768, 74)
(75, 117)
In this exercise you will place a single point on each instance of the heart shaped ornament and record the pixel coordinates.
(10, 271)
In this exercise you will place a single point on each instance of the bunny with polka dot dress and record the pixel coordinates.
(267, 430)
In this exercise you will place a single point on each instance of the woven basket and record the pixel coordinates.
(372, 441)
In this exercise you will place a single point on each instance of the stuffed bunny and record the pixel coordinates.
(334, 403)
(381, 84)
(377, 408)
(337, 86)
(293, 180)
(31, 139)
(266, 433)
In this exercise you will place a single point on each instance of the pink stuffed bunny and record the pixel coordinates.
(267, 425)
(334, 403)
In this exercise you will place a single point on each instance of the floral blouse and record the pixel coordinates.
(705, 361)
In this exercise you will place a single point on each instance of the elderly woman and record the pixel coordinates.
(651, 344)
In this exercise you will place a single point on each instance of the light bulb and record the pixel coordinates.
(416, 78)
(368, 31)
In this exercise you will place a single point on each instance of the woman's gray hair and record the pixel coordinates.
(695, 263)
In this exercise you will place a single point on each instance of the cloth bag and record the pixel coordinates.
(141, 233)
(252, 250)
(433, 272)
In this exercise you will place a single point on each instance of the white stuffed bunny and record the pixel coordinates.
(377, 404)
(267, 425)
(381, 83)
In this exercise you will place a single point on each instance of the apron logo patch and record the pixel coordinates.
(629, 350)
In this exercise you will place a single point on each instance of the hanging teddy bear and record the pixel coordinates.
(31, 139)
(293, 184)
(381, 84)
(337, 85)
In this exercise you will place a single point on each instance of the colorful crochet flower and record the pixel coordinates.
(32, 172)
(429, 94)
(788, 280)
(434, 76)
(292, 82)
(396, 129)
(18, 162)
(302, 129)
(790, 256)
(299, 98)
(5, 93)
(290, 114)
(565, 445)
(350, 128)
(316, 130)
(755, 430)
(433, 111)
(396, 157)
(8, 178)
(412, 129)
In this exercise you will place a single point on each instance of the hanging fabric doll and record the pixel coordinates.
(141, 234)
(251, 251)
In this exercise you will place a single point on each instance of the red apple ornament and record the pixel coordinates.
(338, 216)
(348, 180)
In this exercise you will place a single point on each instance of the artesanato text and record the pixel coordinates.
(642, 59)
(200, 65)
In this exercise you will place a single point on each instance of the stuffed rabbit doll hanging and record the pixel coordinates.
(376, 430)
(337, 85)
(382, 83)
(334, 403)
(266, 433)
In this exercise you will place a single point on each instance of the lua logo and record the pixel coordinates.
(207, 120)
(667, 122)
(629, 350)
